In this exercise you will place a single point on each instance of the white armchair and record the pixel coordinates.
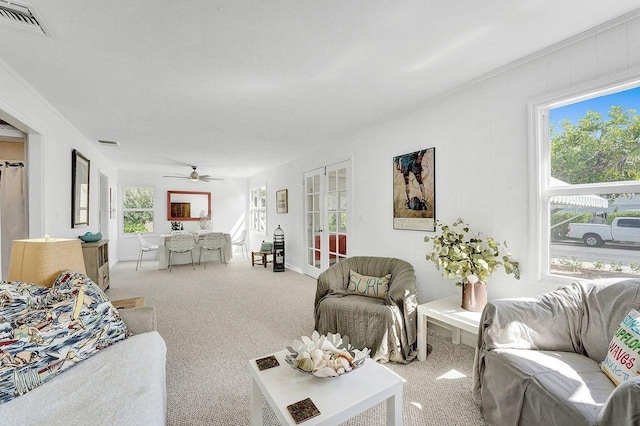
(145, 247)
(537, 361)
(181, 243)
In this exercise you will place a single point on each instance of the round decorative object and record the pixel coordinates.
(325, 356)
(91, 238)
(474, 296)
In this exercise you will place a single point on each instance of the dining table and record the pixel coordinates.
(183, 258)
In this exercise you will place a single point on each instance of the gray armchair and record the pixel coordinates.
(386, 326)
(537, 360)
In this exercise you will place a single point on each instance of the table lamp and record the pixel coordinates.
(40, 260)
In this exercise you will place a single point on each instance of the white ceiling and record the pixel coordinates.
(236, 87)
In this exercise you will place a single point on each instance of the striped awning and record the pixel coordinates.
(579, 201)
(588, 200)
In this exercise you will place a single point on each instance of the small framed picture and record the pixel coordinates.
(282, 201)
(112, 203)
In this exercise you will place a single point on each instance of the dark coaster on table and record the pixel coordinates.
(303, 410)
(267, 362)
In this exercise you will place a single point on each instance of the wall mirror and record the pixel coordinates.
(79, 189)
(188, 205)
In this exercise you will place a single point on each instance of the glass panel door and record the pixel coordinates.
(337, 212)
(313, 220)
(326, 216)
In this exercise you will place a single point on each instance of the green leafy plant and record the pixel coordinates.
(576, 264)
(460, 253)
(616, 266)
(635, 267)
(598, 264)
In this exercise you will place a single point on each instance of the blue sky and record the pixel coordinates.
(629, 99)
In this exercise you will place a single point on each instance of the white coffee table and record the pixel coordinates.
(446, 313)
(338, 399)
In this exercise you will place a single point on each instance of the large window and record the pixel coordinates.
(588, 176)
(137, 209)
(258, 209)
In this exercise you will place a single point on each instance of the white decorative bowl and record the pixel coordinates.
(325, 356)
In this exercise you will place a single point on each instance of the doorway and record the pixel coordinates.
(13, 197)
(327, 215)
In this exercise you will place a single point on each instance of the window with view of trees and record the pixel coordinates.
(137, 209)
(591, 182)
(258, 209)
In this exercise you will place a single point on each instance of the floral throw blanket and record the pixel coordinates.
(44, 331)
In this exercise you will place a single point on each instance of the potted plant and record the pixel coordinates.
(460, 253)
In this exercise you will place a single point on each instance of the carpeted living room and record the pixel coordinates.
(239, 314)
(219, 212)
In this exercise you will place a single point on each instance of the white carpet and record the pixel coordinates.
(215, 320)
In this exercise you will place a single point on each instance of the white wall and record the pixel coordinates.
(51, 138)
(229, 201)
(480, 132)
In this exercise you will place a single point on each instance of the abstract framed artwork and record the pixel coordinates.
(414, 190)
(282, 201)
(80, 172)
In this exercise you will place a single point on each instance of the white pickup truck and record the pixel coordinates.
(622, 229)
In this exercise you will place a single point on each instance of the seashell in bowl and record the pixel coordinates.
(306, 365)
(325, 356)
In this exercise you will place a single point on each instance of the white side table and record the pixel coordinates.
(446, 313)
(338, 399)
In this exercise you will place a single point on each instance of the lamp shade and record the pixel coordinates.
(40, 260)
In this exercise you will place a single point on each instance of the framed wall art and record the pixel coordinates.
(414, 190)
(112, 203)
(80, 171)
(282, 201)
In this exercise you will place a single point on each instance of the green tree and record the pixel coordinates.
(597, 149)
(137, 204)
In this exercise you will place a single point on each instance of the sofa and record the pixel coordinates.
(386, 325)
(124, 383)
(538, 359)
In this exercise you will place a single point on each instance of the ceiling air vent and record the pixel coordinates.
(108, 143)
(20, 15)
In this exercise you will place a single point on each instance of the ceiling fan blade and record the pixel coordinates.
(209, 178)
(178, 177)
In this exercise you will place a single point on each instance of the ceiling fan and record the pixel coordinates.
(195, 176)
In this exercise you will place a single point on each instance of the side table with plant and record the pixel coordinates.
(459, 253)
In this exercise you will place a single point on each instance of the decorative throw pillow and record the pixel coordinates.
(268, 247)
(67, 285)
(368, 286)
(623, 358)
(39, 342)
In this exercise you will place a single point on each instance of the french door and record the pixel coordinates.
(327, 206)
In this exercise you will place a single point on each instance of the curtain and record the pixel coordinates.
(13, 212)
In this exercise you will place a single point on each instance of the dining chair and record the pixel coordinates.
(213, 241)
(241, 241)
(144, 248)
(180, 243)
